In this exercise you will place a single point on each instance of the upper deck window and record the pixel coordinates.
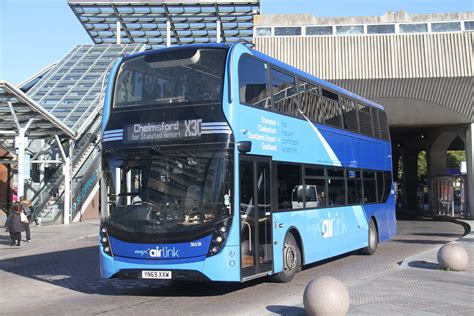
(310, 100)
(285, 96)
(168, 77)
(350, 114)
(253, 78)
(365, 120)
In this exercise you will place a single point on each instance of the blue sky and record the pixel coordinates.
(36, 33)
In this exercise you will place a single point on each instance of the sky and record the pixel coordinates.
(36, 33)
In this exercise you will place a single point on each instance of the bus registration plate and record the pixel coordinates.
(156, 275)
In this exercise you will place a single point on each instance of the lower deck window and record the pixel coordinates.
(329, 187)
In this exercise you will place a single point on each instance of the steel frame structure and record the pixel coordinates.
(166, 22)
(72, 87)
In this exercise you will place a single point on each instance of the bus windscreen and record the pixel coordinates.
(168, 193)
(166, 78)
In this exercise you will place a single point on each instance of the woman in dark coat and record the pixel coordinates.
(14, 225)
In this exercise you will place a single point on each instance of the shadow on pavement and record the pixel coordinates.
(286, 310)
(5, 239)
(78, 270)
(424, 265)
(438, 235)
(418, 241)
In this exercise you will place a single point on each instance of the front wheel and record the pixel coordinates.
(373, 239)
(291, 260)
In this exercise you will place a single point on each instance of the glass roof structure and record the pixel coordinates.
(32, 80)
(71, 89)
(43, 124)
(146, 21)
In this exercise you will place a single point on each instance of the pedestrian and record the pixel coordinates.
(26, 209)
(14, 195)
(14, 224)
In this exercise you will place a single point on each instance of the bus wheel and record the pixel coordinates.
(291, 260)
(373, 239)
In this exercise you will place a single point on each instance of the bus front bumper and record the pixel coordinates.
(223, 266)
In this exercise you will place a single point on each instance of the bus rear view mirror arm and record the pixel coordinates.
(244, 146)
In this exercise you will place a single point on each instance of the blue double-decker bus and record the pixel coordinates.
(220, 163)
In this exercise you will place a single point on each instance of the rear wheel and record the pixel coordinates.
(373, 239)
(291, 260)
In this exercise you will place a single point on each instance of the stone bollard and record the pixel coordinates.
(453, 257)
(326, 296)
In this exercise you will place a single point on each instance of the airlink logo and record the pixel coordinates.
(160, 252)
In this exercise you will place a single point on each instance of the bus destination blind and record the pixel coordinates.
(163, 131)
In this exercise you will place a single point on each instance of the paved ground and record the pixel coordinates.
(58, 273)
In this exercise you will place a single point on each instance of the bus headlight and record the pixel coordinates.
(104, 241)
(219, 236)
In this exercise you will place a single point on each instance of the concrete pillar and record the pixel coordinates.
(119, 33)
(41, 165)
(168, 33)
(129, 186)
(438, 162)
(469, 145)
(9, 183)
(67, 179)
(395, 161)
(218, 31)
(118, 183)
(20, 144)
(67, 189)
(410, 179)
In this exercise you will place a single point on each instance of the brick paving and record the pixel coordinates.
(58, 273)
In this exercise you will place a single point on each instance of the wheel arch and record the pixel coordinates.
(299, 241)
(373, 218)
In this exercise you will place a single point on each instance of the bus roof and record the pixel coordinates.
(274, 61)
(175, 47)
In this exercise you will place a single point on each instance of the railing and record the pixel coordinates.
(448, 196)
(51, 189)
(85, 180)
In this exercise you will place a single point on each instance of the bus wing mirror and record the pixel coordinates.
(244, 147)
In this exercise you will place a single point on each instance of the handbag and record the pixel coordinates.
(23, 218)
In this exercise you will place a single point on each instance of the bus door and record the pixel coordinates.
(255, 216)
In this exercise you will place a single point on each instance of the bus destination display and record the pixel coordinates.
(163, 131)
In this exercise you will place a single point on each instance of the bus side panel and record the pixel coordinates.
(385, 216)
(299, 140)
(272, 134)
(358, 151)
(325, 232)
(282, 221)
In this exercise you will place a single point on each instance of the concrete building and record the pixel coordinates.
(418, 66)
